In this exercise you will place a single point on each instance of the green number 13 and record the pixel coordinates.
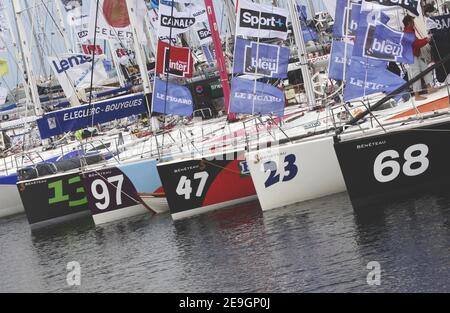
(59, 195)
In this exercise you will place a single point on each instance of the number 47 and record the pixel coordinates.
(184, 185)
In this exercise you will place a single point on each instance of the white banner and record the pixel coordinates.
(73, 71)
(113, 21)
(173, 22)
(261, 21)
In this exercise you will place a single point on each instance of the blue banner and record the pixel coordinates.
(346, 14)
(309, 32)
(177, 100)
(363, 79)
(366, 18)
(59, 122)
(260, 59)
(337, 59)
(267, 99)
(385, 43)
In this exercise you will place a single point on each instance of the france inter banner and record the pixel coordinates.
(177, 101)
(385, 43)
(363, 79)
(72, 119)
(266, 100)
(260, 59)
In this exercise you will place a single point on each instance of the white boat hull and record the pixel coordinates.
(293, 173)
(10, 202)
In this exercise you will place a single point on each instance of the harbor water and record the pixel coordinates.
(318, 246)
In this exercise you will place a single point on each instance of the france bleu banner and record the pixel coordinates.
(343, 12)
(177, 101)
(72, 119)
(366, 18)
(337, 59)
(363, 79)
(260, 59)
(266, 100)
(385, 43)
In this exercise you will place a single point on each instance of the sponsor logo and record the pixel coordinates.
(442, 22)
(262, 65)
(262, 20)
(371, 144)
(177, 22)
(261, 98)
(66, 64)
(244, 169)
(203, 33)
(366, 85)
(410, 5)
(169, 98)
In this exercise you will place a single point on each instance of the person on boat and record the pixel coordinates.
(419, 64)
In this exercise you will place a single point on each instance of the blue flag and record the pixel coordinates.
(366, 18)
(266, 100)
(385, 43)
(363, 79)
(177, 101)
(337, 59)
(346, 14)
(309, 32)
(260, 59)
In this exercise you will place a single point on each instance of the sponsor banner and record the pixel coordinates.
(344, 14)
(4, 68)
(72, 119)
(178, 60)
(206, 184)
(366, 19)
(3, 95)
(203, 34)
(379, 168)
(77, 13)
(248, 98)
(172, 22)
(412, 6)
(121, 187)
(260, 59)
(89, 49)
(338, 58)
(441, 46)
(365, 77)
(170, 98)
(73, 71)
(113, 21)
(261, 21)
(385, 43)
(53, 197)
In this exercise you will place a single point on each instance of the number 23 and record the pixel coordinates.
(275, 178)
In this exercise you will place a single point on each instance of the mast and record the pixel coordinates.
(27, 58)
(62, 27)
(18, 56)
(219, 55)
(301, 49)
(231, 13)
(140, 54)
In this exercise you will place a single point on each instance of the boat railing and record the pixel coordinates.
(393, 94)
(202, 112)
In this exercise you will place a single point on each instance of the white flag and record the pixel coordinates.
(73, 71)
(172, 22)
(113, 21)
(261, 21)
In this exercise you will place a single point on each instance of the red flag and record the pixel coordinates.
(178, 60)
(88, 49)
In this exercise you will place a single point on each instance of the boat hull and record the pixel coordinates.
(116, 192)
(10, 201)
(395, 164)
(53, 199)
(288, 174)
(196, 186)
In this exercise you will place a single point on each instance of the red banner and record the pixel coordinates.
(88, 49)
(179, 60)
